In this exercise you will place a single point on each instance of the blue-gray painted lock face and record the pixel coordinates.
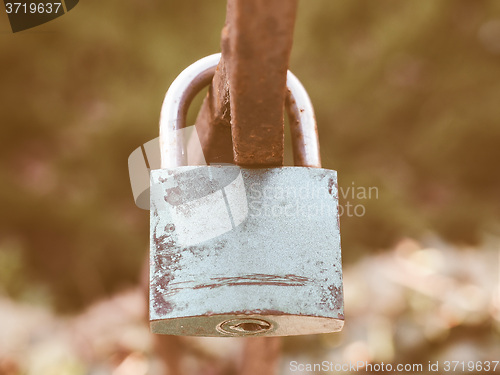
(265, 246)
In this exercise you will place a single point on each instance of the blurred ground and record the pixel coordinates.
(406, 94)
(410, 305)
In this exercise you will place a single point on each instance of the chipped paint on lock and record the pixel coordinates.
(264, 247)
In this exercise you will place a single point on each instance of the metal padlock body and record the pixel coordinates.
(274, 271)
(238, 251)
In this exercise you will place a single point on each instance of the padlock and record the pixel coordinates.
(243, 251)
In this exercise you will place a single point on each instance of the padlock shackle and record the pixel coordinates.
(191, 80)
(303, 126)
(175, 107)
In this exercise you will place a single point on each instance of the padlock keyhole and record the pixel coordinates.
(244, 326)
(250, 327)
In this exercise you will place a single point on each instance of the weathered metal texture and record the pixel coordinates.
(245, 252)
(256, 45)
(269, 33)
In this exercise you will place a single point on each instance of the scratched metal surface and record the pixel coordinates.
(228, 242)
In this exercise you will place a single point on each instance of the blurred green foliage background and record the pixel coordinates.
(406, 92)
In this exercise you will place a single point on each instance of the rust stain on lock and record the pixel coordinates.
(256, 279)
(333, 188)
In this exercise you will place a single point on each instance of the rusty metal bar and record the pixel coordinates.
(260, 34)
(213, 122)
(246, 99)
